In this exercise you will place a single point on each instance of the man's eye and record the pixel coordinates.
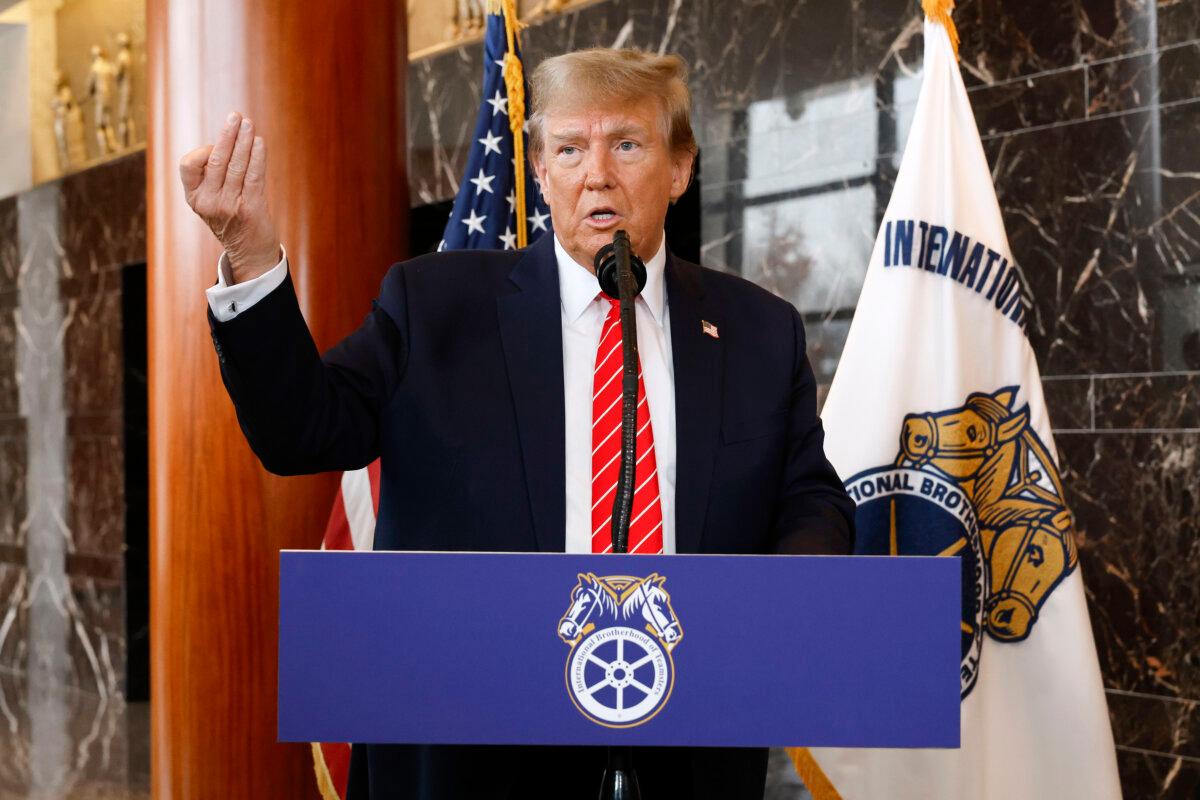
(628, 146)
(568, 150)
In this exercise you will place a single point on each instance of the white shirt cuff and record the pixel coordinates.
(226, 301)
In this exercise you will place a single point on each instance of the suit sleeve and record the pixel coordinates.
(302, 412)
(816, 516)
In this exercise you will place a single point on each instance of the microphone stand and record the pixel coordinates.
(620, 780)
(628, 291)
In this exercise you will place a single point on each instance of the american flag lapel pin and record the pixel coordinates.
(709, 329)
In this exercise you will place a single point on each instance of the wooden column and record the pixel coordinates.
(325, 84)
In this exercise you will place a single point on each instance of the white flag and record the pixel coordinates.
(937, 423)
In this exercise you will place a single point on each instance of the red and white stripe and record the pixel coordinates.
(645, 528)
(351, 527)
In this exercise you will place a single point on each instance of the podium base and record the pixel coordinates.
(620, 780)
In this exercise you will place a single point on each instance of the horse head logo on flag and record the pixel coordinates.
(1012, 482)
(621, 631)
(976, 482)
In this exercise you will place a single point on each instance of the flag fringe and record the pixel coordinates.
(815, 779)
(324, 779)
(939, 11)
(514, 85)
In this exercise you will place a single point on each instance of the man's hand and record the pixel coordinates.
(225, 185)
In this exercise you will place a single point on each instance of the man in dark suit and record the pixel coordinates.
(483, 380)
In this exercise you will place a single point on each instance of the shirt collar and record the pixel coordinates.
(578, 287)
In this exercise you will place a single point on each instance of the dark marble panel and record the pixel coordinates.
(96, 647)
(1099, 236)
(92, 348)
(1159, 402)
(742, 53)
(103, 216)
(1029, 102)
(1164, 725)
(1169, 75)
(1151, 775)
(1002, 39)
(660, 27)
(1176, 21)
(14, 618)
(103, 567)
(9, 392)
(1137, 507)
(1168, 182)
(1069, 402)
(439, 123)
(96, 497)
(14, 475)
(10, 259)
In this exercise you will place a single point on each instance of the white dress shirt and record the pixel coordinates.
(583, 313)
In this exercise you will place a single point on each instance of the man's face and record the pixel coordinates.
(607, 169)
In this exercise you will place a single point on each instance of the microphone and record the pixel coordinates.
(606, 268)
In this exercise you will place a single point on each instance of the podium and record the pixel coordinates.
(682, 650)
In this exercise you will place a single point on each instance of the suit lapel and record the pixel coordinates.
(531, 333)
(697, 357)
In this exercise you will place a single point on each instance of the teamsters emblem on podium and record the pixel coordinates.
(621, 631)
(974, 482)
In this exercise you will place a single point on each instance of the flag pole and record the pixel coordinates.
(514, 84)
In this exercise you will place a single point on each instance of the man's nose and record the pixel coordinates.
(599, 173)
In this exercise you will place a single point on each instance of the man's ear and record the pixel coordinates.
(681, 173)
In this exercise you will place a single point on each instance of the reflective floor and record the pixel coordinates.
(63, 744)
(782, 781)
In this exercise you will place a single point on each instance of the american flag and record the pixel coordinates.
(493, 198)
(497, 207)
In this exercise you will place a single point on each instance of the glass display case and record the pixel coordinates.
(72, 86)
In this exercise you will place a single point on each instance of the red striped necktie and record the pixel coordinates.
(645, 529)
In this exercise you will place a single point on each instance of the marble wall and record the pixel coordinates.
(1090, 114)
(63, 248)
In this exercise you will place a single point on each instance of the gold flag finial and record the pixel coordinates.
(939, 11)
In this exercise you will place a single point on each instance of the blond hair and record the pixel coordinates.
(601, 74)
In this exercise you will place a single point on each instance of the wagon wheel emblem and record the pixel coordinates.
(619, 675)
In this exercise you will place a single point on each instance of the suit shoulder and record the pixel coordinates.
(453, 266)
(448, 271)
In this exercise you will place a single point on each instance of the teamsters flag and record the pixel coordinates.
(497, 207)
(937, 423)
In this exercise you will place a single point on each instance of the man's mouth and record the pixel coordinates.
(602, 217)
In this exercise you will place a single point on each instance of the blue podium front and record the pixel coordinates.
(516, 648)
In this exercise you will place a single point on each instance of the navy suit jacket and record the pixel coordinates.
(455, 379)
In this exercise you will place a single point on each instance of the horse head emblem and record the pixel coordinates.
(591, 603)
(596, 602)
(654, 603)
(988, 449)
